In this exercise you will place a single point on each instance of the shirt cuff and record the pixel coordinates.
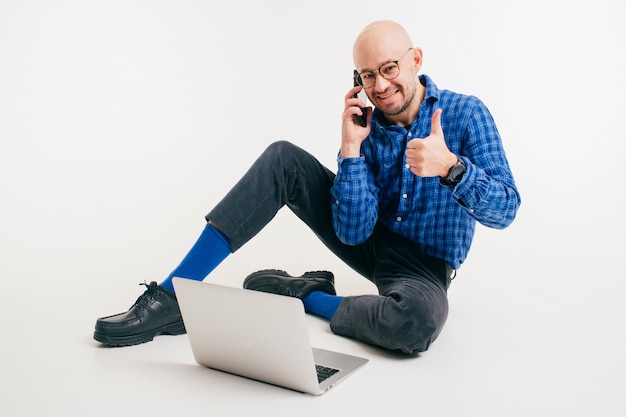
(341, 159)
(462, 191)
(350, 168)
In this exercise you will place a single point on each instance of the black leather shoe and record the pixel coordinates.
(280, 282)
(155, 312)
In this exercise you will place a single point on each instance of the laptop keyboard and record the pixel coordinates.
(324, 372)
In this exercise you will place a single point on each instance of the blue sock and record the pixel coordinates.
(211, 248)
(321, 303)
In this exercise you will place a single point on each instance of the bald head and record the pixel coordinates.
(384, 37)
(397, 96)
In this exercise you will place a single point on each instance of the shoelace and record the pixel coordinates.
(152, 290)
(288, 291)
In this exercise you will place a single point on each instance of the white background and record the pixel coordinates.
(123, 122)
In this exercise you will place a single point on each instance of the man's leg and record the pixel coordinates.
(407, 315)
(283, 174)
(322, 304)
(412, 306)
(211, 248)
(286, 175)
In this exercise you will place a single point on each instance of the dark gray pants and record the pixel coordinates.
(412, 306)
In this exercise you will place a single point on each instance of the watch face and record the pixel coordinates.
(457, 172)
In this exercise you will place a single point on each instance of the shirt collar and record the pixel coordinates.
(432, 91)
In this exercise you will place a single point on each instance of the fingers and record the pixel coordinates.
(353, 133)
(363, 119)
(352, 93)
(355, 106)
(436, 123)
(353, 110)
(351, 100)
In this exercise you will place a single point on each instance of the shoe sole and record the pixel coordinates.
(173, 329)
(327, 275)
(310, 274)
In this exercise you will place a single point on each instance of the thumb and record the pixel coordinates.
(435, 128)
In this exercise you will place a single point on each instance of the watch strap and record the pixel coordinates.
(455, 174)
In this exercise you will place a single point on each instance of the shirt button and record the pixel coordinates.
(404, 196)
(399, 218)
(407, 166)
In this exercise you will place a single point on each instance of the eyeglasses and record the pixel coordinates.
(389, 71)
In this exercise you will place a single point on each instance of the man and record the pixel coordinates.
(401, 210)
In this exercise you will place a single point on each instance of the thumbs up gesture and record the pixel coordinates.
(429, 156)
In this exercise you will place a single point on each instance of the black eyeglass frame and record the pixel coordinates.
(358, 78)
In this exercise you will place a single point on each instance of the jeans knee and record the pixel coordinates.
(413, 329)
(280, 148)
(281, 155)
(412, 335)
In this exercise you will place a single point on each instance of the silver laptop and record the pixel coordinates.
(259, 336)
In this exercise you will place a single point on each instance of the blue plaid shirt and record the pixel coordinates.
(379, 186)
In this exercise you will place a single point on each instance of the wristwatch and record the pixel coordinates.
(455, 175)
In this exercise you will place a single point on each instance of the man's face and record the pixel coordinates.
(395, 97)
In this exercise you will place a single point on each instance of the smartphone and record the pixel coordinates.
(362, 120)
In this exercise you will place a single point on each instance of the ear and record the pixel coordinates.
(417, 59)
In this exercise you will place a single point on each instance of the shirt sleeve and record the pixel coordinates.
(354, 201)
(487, 190)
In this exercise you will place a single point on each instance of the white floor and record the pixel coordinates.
(123, 122)
(524, 338)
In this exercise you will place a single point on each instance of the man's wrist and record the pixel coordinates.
(350, 151)
(455, 173)
(452, 161)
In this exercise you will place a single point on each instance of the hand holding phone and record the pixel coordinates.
(361, 120)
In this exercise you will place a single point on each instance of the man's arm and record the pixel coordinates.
(355, 197)
(487, 190)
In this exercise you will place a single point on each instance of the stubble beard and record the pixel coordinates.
(406, 104)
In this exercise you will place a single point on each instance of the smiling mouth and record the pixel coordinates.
(386, 95)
